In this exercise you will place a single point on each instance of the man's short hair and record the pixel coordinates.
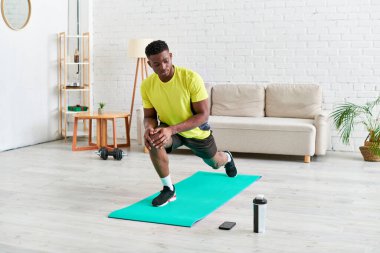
(156, 47)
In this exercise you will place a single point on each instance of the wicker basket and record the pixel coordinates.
(367, 154)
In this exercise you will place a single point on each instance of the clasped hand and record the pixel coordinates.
(157, 137)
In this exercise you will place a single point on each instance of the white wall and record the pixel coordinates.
(28, 77)
(334, 43)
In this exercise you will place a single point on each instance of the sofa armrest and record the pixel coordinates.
(140, 125)
(322, 141)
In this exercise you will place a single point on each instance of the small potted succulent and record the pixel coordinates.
(101, 107)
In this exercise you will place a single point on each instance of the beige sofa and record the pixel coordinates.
(273, 119)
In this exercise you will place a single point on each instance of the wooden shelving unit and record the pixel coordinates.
(67, 69)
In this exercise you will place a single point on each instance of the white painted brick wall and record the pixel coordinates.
(334, 43)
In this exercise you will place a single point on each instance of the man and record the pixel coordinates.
(177, 98)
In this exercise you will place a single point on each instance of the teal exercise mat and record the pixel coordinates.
(197, 196)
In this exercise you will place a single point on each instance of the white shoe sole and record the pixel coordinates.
(172, 199)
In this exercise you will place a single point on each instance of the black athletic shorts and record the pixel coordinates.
(204, 148)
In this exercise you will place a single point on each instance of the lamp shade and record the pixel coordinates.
(136, 47)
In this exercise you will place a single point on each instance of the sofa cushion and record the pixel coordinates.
(238, 100)
(208, 87)
(262, 123)
(293, 101)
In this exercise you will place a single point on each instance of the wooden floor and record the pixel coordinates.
(56, 200)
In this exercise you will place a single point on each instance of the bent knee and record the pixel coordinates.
(153, 149)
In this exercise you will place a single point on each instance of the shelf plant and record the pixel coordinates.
(101, 107)
(347, 115)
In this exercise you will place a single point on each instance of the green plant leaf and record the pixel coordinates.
(345, 116)
(102, 105)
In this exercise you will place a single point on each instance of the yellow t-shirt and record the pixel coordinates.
(172, 100)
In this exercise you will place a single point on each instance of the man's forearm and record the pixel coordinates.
(191, 123)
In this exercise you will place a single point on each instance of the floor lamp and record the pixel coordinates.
(136, 49)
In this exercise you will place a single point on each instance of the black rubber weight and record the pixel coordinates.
(103, 153)
(117, 154)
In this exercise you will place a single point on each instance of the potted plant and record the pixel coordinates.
(347, 115)
(101, 107)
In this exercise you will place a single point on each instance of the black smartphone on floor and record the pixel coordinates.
(227, 225)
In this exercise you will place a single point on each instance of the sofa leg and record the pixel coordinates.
(307, 159)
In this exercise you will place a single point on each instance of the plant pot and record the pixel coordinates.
(367, 154)
(100, 111)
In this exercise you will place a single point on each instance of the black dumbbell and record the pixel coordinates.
(116, 153)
